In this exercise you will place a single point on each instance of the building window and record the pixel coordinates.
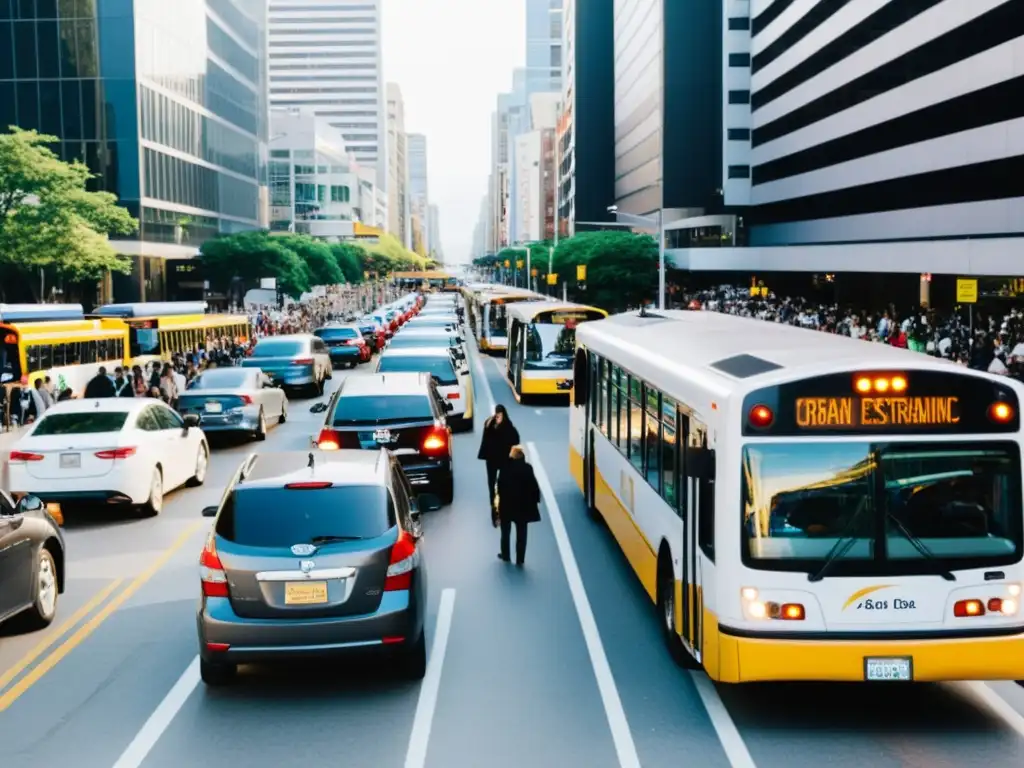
(739, 23)
(280, 153)
(339, 194)
(739, 97)
(739, 171)
(739, 59)
(739, 134)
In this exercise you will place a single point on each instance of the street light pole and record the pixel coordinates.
(659, 221)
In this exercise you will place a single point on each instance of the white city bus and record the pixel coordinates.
(491, 308)
(804, 506)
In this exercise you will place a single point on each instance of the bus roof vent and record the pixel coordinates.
(744, 366)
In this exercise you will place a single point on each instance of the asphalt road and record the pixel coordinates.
(558, 664)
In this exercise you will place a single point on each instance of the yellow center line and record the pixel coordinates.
(56, 635)
(62, 650)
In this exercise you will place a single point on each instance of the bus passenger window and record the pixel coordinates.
(668, 462)
(602, 399)
(636, 429)
(58, 355)
(88, 352)
(71, 354)
(118, 349)
(34, 359)
(706, 513)
(620, 410)
(652, 443)
(102, 349)
(46, 357)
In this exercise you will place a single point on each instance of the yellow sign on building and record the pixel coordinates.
(581, 273)
(552, 278)
(966, 291)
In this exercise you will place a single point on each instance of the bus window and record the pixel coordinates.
(602, 398)
(102, 349)
(59, 353)
(10, 359)
(144, 341)
(636, 425)
(549, 347)
(652, 439)
(669, 471)
(72, 353)
(87, 351)
(706, 518)
(497, 321)
(619, 411)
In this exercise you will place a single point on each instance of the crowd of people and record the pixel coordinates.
(992, 341)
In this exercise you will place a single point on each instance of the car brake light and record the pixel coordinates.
(116, 453)
(246, 399)
(302, 361)
(309, 486)
(329, 440)
(404, 559)
(453, 395)
(211, 570)
(436, 442)
(22, 456)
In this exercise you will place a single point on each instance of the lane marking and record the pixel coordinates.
(57, 634)
(62, 650)
(162, 717)
(485, 388)
(997, 704)
(419, 739)
(728, 734)
(625, 748)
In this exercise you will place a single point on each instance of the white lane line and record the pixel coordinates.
(419, 740)
(997, 704)
(613, 709)
(728, 734)
(480, 384)
(161, 718)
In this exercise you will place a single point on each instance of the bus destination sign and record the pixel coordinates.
(876, 412)
(568, 318)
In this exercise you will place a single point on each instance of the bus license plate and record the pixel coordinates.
(889, 669)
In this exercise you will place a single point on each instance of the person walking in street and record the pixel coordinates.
(100, 385)
(518, 502)
(499, 437)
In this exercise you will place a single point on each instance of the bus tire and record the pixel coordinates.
(667, 612)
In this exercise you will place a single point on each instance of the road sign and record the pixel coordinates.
(507, 263)
(533, 272)
(552, 278)
(519, 263)
(581, 273)
(966, 291)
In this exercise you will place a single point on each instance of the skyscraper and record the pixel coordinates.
(325, 55)
(419, 200)
(399, 223)
(543, 45)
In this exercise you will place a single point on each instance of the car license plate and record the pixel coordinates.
(305, 592)
(70, 460)
(214, 408)
(889, 669)
(382, 435)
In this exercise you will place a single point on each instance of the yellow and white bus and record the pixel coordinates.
(56, 340)
(541, 343)
(491, 309)
(803, 506)
(158, 329)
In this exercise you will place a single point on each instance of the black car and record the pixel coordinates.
(403, 412)
(31, 563)
(313, 554)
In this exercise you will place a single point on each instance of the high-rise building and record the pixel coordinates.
(543, 45)
(586, 132)
(399, 223)
(325, 55)
(166, 104)
(434, 233)
(535, 171)
(419, 199)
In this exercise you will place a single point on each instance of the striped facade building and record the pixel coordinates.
(887, 134)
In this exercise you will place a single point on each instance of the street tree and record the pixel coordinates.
(48, 219)
(389, 255)
(622, 268)
(252, 256)
(351, 260)
(323, 269)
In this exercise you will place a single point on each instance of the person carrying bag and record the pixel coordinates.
(516, 502)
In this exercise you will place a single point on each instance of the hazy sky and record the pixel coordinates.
(451, 58)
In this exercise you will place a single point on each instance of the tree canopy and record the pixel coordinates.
(48, 218)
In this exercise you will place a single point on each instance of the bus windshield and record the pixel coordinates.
(10, 360)
(497, 320)
(549, 347)
(869, 505)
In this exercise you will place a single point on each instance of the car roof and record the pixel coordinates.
(384, 384)
(344, 467)
(338, 326)
(412, 330)
(288, 337)
(416, 352)
(102, 405)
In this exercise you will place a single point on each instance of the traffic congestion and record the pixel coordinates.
(303, 554)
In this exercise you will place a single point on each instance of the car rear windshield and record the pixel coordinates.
(277, 348)
(221, 378)
(87, 423)
(281, 517)
(405, 342)
(439, 367)
(382, 409)
(336, 333)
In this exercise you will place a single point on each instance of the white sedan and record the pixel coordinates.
(110, 451)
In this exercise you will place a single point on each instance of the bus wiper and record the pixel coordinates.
(919, 545)
(333, 539)
(843, 545)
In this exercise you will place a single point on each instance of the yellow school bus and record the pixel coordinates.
(56, 341)
(156, 330)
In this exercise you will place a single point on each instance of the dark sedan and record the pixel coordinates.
(31, 563)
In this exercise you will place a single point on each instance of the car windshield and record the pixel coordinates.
(406, 341)
(961, 502)
(330, 334)
(439, 367)
(382, 409)
(550, 346)
(221, 378)
(84, 423)
(281, 517)
(277, 348)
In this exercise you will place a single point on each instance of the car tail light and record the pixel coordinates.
(116, 453)
(309, 486)
(246, 399)
(963, 609)
(328, 440)
(436, 441)
(453, 395)
(23, 456)
(404, 559)
(211, 570)
(303, 361)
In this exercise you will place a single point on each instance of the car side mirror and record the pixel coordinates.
(427, 502)
(191, 421)
(210, 511)
(28, 504)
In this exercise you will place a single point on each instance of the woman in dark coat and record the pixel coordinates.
(499, 436)
(518, 502)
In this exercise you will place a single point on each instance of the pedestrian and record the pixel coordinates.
(499, 436)
(517, 502)
(100, 385)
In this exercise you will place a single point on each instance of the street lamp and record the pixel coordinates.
(525, 248)
(658, 222)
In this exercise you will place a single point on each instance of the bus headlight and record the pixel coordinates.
(753, 607)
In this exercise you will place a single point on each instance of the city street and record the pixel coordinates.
(558, 664)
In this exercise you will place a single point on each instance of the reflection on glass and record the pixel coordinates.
(549, 347)
(960, 503)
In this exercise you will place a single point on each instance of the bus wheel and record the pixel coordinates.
(667, 614)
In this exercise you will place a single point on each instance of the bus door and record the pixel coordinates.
(697, 470)
(515, 354)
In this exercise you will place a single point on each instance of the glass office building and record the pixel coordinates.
(166, 102)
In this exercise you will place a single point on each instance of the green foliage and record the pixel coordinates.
(622, 268)
(48, 220)
(351, 260)
(317, 255)
(252, 256)
(389, 255)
